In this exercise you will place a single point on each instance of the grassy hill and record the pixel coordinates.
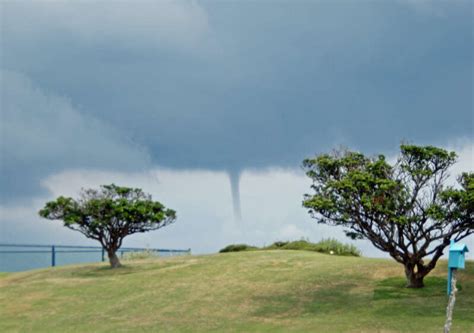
(262, 291)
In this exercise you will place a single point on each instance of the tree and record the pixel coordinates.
(404, 208)
(109, 214)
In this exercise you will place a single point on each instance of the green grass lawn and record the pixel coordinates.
(261, 291)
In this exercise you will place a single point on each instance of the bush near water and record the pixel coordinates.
(328, 246)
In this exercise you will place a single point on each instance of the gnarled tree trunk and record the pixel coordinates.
(113, 259)
(415, 274)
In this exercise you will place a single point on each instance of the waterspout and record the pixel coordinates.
(234, 178)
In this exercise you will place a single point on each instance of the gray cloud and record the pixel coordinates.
(95, 23)
(42, 133)
(231, 86)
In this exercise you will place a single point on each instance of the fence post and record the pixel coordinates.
(103, 254)
(53, 256)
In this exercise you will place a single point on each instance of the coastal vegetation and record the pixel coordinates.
(109, 214)
(404, 208)
(328, 246)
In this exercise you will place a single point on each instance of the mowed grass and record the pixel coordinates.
(261, 291)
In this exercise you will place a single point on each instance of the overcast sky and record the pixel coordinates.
(180, 97)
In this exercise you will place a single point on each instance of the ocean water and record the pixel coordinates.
(15, 262)
(17, 258)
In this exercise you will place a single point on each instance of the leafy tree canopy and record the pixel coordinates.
(404, 208)
(109, 214)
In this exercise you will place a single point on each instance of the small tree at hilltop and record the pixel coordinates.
(110, 214)
(404, 209)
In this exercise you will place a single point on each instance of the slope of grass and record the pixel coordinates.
(261, 291)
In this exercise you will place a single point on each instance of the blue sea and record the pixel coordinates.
(15, 262)
(17, 258)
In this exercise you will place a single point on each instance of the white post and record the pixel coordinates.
(451, 301)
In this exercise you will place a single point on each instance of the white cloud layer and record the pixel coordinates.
(271, 207)
(271, 203)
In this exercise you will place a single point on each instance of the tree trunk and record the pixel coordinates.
(414, 278)
(113, 259)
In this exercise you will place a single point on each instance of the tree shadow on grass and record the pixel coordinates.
(393, 299)
(395, 288)
(390, 297)
(335, 298)
(102, 271)
(126, 269)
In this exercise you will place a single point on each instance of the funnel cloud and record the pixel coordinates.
(234, 178)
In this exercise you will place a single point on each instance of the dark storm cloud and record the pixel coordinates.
(42, 133)
(228, 86)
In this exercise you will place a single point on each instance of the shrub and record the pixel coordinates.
(238, 248)
(277, 245)
(333, 246)
(329, 246)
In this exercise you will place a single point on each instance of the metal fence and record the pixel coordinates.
(18, 257)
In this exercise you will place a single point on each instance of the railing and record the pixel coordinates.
(54, 250)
